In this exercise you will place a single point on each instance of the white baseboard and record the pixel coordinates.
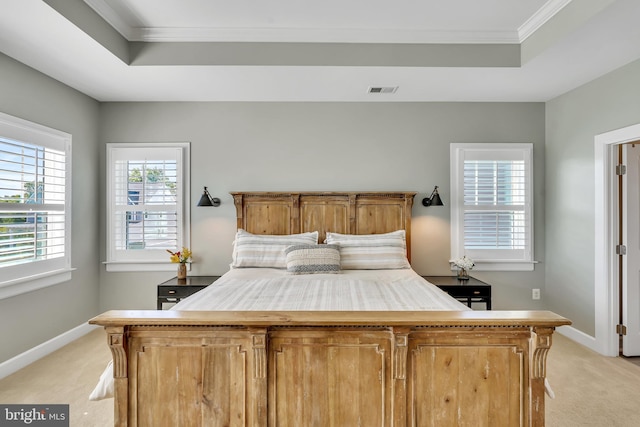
(18, 362)
(579, 337)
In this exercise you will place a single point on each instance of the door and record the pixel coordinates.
(631, 261)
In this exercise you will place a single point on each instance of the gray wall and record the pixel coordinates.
(323, 146)
(30, 319)
(608, 103)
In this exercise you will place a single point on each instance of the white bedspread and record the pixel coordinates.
(247, 289)
(267, 289)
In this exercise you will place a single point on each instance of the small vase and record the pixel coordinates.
(182, 271)
(463, 274)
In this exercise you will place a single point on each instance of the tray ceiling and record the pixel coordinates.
(301, 50)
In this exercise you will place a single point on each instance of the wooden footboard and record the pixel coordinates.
(329, 368)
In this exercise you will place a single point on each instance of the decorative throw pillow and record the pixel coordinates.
(266, 250)
(371, 251)
(313, 259)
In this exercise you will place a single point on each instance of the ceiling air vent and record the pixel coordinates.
(382, 89)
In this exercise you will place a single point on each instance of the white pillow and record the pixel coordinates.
(266, 250)
(104, 388)
(371, 251)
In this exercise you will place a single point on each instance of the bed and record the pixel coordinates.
(278, 361)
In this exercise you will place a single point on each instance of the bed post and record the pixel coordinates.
(116, 338)
(540, 345)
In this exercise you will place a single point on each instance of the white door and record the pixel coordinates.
(631, 261)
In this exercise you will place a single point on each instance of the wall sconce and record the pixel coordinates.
(434, 199)
(207, 200)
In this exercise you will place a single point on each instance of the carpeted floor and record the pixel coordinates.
(591, 390)
(66, 376)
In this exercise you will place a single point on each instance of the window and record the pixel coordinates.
(492, 205)
(147, 213)
(35, 208)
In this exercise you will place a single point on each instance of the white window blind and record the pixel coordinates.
(33, 195)
(147, 212)
(492, 204)
(35, 191)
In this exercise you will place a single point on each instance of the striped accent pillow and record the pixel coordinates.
(313, 259)
(266, 250)
(371, 251)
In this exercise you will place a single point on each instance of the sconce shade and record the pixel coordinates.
(434, 199)
(207, 200)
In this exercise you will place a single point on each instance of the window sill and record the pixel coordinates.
(501, 265)
(120, 266)
(32, 283)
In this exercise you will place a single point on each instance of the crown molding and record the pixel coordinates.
(302, 35)
(324, 35)
(317, 35)
(538, 19)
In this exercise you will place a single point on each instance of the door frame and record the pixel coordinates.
(606, 292)
(630, 316)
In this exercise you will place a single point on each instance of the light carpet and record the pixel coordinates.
(66, 376)
(591, 390)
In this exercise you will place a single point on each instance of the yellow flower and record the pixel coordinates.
(180, 256)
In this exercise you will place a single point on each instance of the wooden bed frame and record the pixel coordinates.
(421, 368)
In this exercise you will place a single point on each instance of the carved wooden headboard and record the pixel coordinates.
(338, 212)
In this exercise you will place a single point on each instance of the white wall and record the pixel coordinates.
(30, 319)
(324, 146)
(573, 120)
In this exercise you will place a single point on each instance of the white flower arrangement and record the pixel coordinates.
(464, 263)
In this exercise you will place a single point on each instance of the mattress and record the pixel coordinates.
(267, 289)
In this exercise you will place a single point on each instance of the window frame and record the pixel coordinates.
(483, 259)
(143, 259)
(16, 279)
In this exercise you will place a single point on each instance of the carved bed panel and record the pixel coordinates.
(449, 387)
(308, 371)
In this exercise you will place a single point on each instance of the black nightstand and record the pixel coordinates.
(466, 291)
(173, 290)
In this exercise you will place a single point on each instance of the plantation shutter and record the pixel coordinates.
(147, 212)
(493, 202)
(32, 202)
(35, 206)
